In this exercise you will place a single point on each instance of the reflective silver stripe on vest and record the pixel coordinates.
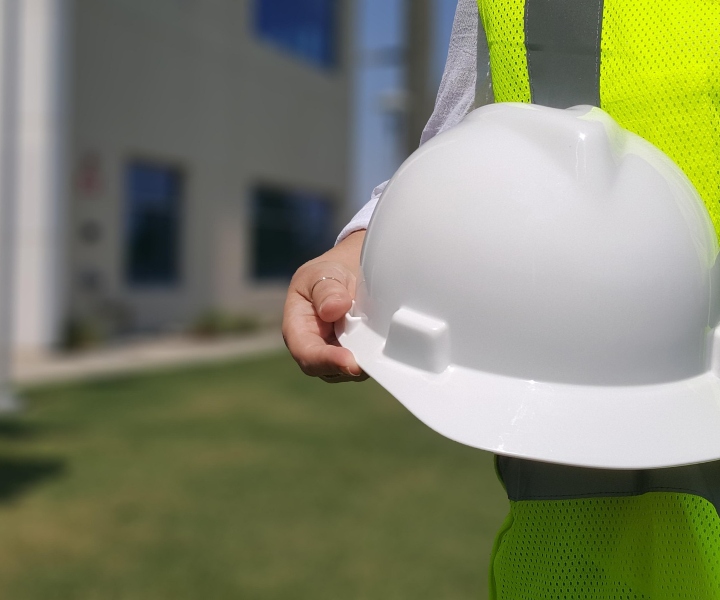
(562, 38)
(530, 480)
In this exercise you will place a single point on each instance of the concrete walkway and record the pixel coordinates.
(141, 355)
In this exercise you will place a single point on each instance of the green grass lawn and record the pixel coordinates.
(245, 480)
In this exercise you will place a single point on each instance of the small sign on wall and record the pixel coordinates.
(89, 180)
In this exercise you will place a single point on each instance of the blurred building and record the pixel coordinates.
(169, 156)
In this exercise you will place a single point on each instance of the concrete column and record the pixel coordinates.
(421, 96)
(41, 173)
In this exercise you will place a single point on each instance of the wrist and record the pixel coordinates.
(347, 253)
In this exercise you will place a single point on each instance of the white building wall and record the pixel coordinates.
(187, 83)
(184, 82)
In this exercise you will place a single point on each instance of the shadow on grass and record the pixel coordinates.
(19, 475)
(11, 429)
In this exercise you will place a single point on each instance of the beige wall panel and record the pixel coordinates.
(186, 82)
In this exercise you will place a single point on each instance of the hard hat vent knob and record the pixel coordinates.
(419, 341)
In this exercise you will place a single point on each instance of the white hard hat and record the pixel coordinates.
(542, 283)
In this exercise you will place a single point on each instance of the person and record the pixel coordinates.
(572, 532)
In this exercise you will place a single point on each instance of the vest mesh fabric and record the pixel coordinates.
(660, 78)
(505, 30)
(658, 546)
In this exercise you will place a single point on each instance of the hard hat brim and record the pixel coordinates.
(611, 427)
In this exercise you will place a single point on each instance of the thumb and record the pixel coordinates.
(331, 293)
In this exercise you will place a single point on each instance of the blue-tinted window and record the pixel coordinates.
(152, 227)
(289, 228)
(304, 27)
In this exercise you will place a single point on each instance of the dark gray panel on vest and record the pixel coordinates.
(531, 480)
(562, 38)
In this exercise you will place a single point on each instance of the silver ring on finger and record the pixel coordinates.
(312, 289)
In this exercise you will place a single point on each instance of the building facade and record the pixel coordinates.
(184, 156)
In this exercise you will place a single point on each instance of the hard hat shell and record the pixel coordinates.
(542, 283)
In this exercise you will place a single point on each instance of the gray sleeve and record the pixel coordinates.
(466, 80)
(463, 87)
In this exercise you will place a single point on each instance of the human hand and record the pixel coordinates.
(320, 293)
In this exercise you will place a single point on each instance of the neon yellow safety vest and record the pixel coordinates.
(654, 65)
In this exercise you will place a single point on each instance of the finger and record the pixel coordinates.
(332, 300)
(344, 378)
(324, 360)
(330, 288)
(312, 342)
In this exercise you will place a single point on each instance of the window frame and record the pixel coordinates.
(177, 169)
(296, 193)
(332, 46)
